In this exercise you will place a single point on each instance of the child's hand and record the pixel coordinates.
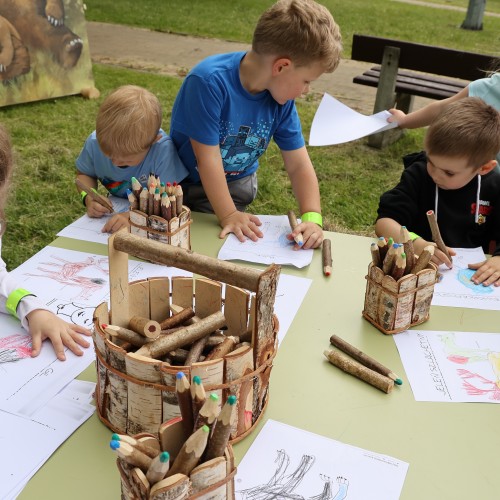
(95, 209)
(398, 116)
(488, 272)
(439, 257)
(46, 325)
(312, 235)
(116, 222)
(242, 225)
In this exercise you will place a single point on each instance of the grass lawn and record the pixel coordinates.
(48, 135)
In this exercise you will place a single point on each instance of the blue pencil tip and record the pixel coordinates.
(114, 444)
(398, 381)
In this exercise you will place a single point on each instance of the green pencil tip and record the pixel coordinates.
(398, 381)
(214, 397)
(231, 399)
(164, 456)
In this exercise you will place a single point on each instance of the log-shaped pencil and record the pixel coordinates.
(436, 234)
(142, 447)
(327, 256)
(349, 365)
(423, 260)
(389, 259)
(208, 412)
(173, 205)
(131, 455)
(382, 248)
(136, 187)
(399, 266)
(292, 219)
(179, 318)
(183, 393)
(143, 200)
(220, 350)
(133, 200)
(190, 453)
(125, 334)
(92, 193)
(165, 208)
(179, 198)
(198, 395)
(363, 358)
(374, 249)
(157, 202)
(183, 336)
(408, 249)
(144, 326)
(158, 468)
(220, 435)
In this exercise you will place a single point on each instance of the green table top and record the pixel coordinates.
(451, 448)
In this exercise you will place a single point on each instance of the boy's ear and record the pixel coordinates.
(487, 167)
(280, 65)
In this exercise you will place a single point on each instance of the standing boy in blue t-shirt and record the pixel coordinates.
(128, 142)
(231, 105)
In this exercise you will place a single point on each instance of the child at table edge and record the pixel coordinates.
(34, 316)
(458, 178)
(128, 142)
(231, 105)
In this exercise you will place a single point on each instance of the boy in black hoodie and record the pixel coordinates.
(457, 177)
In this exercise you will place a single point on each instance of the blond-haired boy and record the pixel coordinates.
(231, 105)
(458, 178)
(128, 142)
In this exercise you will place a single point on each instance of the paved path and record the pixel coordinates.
(174, 55)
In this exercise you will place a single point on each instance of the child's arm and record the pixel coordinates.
(94, 209)
(389, 228)
(214, 183)
(305, 187)
(426, 115)
(487, 272)
(44, 324)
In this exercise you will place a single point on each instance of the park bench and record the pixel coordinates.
(407, 69)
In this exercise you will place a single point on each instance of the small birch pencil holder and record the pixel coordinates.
(137, 392)
(212, 479)
(394, 306)
(175, 231)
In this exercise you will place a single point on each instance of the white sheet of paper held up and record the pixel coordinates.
(336, 123)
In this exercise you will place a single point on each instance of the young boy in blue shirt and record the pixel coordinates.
(458, 178)
(128, 142)
(231, 105)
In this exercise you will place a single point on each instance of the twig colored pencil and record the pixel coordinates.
(183, 392)
(436, 234)
(133, 201)
(382, 248)
(408, 249)
(363, 358)
(389, 259)
(136, 187)
(208, 412)
(158, 468)
(424, 259)
(179, 198)
(292, 219)
(147, 450)
(143, 200)
(349, 365)
(99, 198)
(190, 453)
(131, 455)
(198, 395)
(220, 436)
(144, 326)
(327, 257)
(374, 249)
(399, 266)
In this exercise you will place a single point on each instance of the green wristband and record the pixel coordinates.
(313, 217)
(414, 236)
(83, 194)
(13, 300)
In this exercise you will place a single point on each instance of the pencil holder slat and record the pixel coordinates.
(394, 306)
(136, 393)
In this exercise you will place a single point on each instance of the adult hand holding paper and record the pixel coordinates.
(335, 123)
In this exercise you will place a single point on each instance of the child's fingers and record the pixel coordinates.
(36, 345)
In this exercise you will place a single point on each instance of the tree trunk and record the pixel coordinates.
(474, 18)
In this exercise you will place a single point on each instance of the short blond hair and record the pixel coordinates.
(6, 167)
(303, 31)
(128, 121)
(467, 128)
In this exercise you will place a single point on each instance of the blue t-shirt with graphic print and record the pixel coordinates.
(213, 108)
(162, 160)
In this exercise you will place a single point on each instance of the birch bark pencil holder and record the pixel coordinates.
(212, 480)
(394, 306)
(175, 232)
(136, 393)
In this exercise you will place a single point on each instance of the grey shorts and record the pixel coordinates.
(243, 192)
